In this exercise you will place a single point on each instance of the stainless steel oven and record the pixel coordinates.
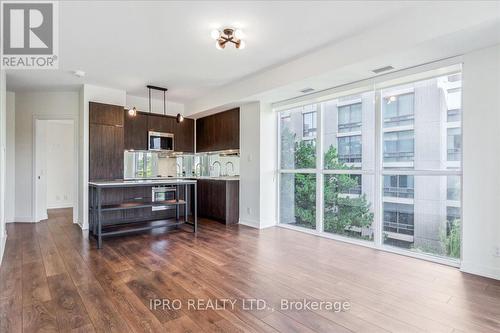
(162, 194)
(160, 141)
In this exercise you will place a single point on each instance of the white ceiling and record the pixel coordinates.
(127, 45)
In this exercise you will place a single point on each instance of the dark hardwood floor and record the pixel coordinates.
(54, 279)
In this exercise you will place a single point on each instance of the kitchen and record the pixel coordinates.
(149, 171)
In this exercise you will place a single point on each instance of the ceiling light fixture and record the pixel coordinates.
(79, 73)
(228, 35)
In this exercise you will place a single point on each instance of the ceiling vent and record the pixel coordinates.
(307, 90)
(382, 69)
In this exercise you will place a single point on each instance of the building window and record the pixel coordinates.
(350, 149)
(398, 146)
(398, 218)
(350, 118)
(454, 143)
(309, 124)
(398, 186)
(454, 115)
(453, 188)
(398, 110)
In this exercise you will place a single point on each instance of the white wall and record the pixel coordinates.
(28, 106)
(60, 163)
(10, 168)
(257, 165)
(3, 139)
(250, 164)
(142, 104)
(268, 165)
(481, 160)
(90, 93)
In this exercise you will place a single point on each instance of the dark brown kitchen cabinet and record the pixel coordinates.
(218, 199)
(220, 131)
(184, 136)
(105, 114)
(159, 123)
(136, 131)
(106, 152)
(137, 127)
(106, 141)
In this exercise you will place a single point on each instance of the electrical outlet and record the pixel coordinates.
(496, 252)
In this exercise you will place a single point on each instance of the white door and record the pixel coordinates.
(41, 171)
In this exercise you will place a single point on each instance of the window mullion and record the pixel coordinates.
(319, 168)
(377, 202)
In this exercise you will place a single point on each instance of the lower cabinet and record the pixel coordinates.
(219, 200)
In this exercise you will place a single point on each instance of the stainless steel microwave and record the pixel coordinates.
(160, 141)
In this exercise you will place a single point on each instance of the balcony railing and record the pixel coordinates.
(398, 192)
(350, 158)
(454, 154)
(400, 228)
(400, 155)
(350, 127)
(399, 120)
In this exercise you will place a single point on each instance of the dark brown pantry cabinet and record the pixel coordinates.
(220, 131)
(106, 141)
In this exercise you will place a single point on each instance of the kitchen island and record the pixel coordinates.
(120, 207)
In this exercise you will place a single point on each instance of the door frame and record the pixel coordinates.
(55, 116)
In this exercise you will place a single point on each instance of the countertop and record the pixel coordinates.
(142, 182)
(157, 181)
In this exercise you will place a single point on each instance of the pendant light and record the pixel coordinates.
(179, 118)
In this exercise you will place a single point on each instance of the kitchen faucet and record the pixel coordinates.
(213, 167)
(229, 163)
(197, 169)
(178, 169)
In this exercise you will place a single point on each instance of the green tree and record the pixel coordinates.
(342, 212)
(451, 239)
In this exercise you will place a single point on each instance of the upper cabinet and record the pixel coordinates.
(136, 131)
(137, 127)
(184, 136)
(105, 114)
(220, 131)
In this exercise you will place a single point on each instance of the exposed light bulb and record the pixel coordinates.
(241, 45)
(238, 34)
(132, 112)
(218, 46)
(392, 98)
(215, 34)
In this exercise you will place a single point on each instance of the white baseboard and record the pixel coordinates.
(24, 219)
(256, 224)
(60, 205)
(486, 271)
(250, 223)
(3, 241)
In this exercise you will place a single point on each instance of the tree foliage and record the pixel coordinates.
(344, 213)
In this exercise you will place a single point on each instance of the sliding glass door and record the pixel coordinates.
(381, 165)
